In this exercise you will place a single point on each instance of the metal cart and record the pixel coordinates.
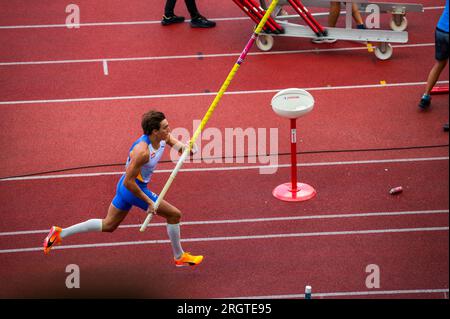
(279, 24)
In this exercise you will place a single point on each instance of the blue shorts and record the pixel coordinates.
(124, 198)
(441, 45)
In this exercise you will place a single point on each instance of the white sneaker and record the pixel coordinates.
(320, 40)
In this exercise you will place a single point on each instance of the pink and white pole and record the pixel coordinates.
(292, 104)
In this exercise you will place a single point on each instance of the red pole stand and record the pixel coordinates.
(246, 10)
(310, 17)
(304, 17)
(440, 90)
(307, 17)
(294, 191)
(251, 14)
(259, 12)
(270, 20)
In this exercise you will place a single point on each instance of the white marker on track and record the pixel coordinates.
(105, 67)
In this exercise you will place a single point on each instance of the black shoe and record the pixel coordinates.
(171, 20)
(201, 22)
(425, 102)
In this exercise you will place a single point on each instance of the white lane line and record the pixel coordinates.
(105, 67)
(107, 24)
(267, 236)
(259, 220)
(348, 294)
(218, 55)
(235, 168)
(104, 24)
(163, 96)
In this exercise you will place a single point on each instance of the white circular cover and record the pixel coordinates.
(292, 103)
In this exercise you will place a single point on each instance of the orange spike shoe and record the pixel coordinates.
(188, 260)
(53, 238)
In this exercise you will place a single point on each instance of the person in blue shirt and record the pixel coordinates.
(441, 56)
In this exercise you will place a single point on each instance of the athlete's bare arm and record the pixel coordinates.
(178, 145)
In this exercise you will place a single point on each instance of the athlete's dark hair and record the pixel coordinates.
(152, 121)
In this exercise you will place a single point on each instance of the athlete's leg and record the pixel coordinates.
(113, 219)
(169, 212)
(91, 225)
(117, 211)
(110, 223)
(173, 217)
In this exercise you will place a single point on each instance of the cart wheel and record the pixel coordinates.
(399, 22)
(384, 51)
(264, 42)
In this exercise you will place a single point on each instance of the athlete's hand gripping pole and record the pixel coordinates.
(211, 110)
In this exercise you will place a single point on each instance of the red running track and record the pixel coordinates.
(87, 80)
(358, 118)
(404, 258)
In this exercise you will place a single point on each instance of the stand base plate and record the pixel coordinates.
(284, 192)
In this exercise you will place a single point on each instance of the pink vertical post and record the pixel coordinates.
(294, 155)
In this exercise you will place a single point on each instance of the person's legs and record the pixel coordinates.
(113, 219)
(173, 217)
(433, 77)
(117, 211)
(169, 8)
(110, 223)
(192, 8)
(357, 16)
(169, 14)
(169, 212)
(90, 225)
(197, 20)
(441, 57)
(335, 11)
(434, 74)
